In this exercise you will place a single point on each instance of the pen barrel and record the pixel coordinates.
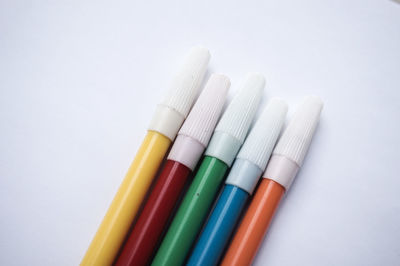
(255, 223)
(126, 203)
(191, 213)
(220, 226)
(146, 233)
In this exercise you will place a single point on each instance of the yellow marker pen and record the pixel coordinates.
(163, 128)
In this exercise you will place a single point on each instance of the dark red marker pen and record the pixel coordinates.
(188, 147)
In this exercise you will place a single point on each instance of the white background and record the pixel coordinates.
(79, 81)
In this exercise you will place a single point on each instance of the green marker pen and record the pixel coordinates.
(226, 141)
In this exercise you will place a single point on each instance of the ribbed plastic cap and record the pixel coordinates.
(297, 136)
(170, 114)
(204, 115)
(238, 116)
(259, 144)
(185, 86)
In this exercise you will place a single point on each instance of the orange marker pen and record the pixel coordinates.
(286, 160)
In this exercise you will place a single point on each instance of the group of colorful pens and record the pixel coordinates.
(195, 226)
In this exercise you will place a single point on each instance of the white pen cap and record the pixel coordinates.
(297, 136)
(234, 125)
(196, 131)
(262, 138)
(184, 88)
(292, 147)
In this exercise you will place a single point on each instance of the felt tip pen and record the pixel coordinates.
(248, 167)
(163, 128)
(226, 141)
(186, 151)
(285, 161)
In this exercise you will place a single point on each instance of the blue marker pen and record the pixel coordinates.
(249, 165)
